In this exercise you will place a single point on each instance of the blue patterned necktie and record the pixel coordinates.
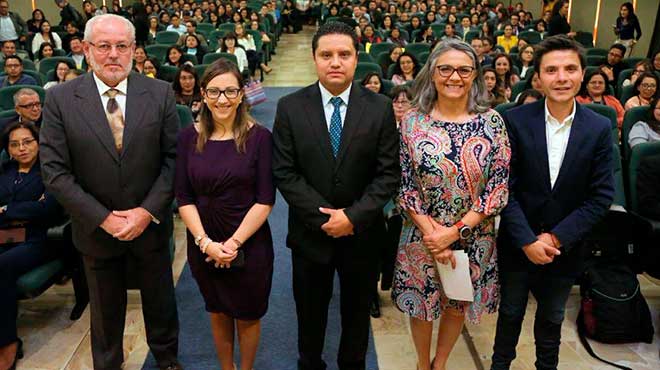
(335, 125)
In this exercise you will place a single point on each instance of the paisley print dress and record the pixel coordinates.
(447, 170)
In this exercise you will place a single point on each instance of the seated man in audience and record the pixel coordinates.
(77, 53)
(68, 13)
(478, 46)
(191, 29)
(71, 32)
(14, 73)
(175, 25)
(12, 26)
(27, 104)
(614, 64)
(8, 48)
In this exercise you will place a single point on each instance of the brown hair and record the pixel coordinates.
(243, 120)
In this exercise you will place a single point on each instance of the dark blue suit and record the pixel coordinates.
(26, 200)
(581, 196)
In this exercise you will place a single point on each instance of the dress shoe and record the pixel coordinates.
(374, 310)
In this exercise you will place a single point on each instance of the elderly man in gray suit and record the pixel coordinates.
(108, 145)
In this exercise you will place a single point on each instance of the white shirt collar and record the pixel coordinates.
(568, 120)
(103, 88)
(327, 95)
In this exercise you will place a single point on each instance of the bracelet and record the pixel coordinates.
(199, 239)
(238, 242)
(203, 245)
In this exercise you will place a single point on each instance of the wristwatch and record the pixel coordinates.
(464, 231)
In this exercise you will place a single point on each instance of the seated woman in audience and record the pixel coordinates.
(429, 18)
(508, 40)
(494, 87)
(415, 24)
(387, 24)
(368, 36)
(640, 67)
(540, 26)
(139, 57)
(214, 19)
(225, 206)
(24, 200)
(447, 184)
(450, 32)
(525, 60)
(534, 83)
(230, 45)
(647, 131)
(186, 89)
(194, 48)
(290, 17)
(154, 28)
(646, 87)
(502, 64)
(595, 89)
(254, 26)
(486, 30)
(528, 96)
(45, 35)
(396, 38)
(46, 50)
(373, 82)
(425, 34)
(151, 67)
(655, 61)
(406, 69)
(253, 55)
(237, 18)
(34, 23)
(59, 73)
(173, 56)
(394, 53)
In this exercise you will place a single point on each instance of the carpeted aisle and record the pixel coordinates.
(278, 347)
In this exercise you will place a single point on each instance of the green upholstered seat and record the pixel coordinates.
(39, 279)
(47, 64)
(167, 37)
(364, 68)
(501, 108)
(212, 57)
(637, 153)
(610, 114)
(376, 49)
(185, 116)
(631, 117)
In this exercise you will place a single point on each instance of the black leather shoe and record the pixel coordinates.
(374, 310)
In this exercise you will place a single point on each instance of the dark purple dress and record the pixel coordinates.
(224, 184)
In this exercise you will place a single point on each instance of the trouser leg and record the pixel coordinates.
(514, 291)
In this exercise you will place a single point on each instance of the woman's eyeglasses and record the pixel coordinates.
(447, 70)
(214, 93)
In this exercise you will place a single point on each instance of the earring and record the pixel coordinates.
(204, 101)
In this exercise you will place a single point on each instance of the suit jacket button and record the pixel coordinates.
(337, 182)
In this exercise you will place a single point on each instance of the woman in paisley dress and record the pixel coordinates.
(455, 168)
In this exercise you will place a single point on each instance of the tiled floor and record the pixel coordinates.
(53, 342)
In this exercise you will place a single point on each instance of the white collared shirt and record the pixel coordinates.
(7, 30)
(328, 108)
(120, 98)
(556, 136)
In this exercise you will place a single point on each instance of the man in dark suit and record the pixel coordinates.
(336, 163)
(108, 144)
(560, 186)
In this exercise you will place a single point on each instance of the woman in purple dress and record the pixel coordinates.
(225, 192)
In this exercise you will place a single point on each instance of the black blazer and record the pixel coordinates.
(582, 194)
(362, 178)
(27, 200)
(82, 169)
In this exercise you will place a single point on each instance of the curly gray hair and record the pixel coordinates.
(425, 93)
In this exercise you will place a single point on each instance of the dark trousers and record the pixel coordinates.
(551, 293)
(107, 280)
(312, 290)
(14, 262)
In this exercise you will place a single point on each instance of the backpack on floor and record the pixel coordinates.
(613, 309)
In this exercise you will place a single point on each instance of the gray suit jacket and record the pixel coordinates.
(82, 169)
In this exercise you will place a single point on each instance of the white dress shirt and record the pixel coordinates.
(328, 108)
(7, 30)
(120, 97)
(556, 136)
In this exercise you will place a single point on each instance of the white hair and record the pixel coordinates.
(106, 17)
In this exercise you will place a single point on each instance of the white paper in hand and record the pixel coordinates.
(456, 282)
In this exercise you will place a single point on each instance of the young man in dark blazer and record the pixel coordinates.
(108, 146)
(335, 161)
(560, 186)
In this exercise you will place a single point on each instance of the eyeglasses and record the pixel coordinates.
(30, 105)
(648, 86)
(105, 48)
(12, 65)
(214, 93)
(19, 144)
(447, 70)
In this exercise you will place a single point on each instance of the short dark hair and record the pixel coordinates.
(75, 38)
(401, 89)
(620, 47)
(529, 93)
(8, 41)
(335, 28)
(20, 61)
(648, 74)
(367, 78)
(192, 22)
(29, 125)
(555, 43)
